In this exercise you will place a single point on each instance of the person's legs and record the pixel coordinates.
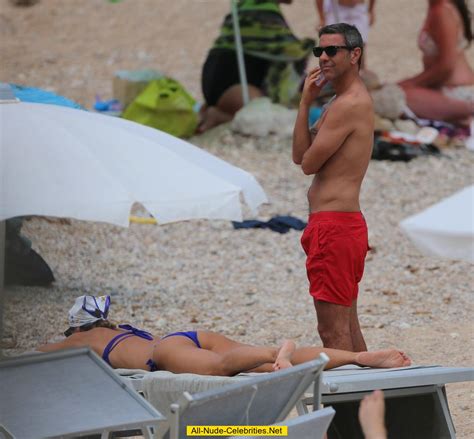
(432, 104)
(181, 355)
(385, 358)
(228, 104)
(334, 325)
(358, 342)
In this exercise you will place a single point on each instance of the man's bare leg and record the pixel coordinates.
(334, 325)
(358, 342)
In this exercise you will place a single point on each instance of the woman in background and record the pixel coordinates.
(444, 90)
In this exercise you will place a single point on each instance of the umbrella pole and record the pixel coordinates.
(2, 269)
(240, 53)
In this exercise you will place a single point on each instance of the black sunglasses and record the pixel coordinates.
(330, 50)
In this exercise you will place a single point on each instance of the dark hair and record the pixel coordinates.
(89, 326)
(351, 34)
(466, 18)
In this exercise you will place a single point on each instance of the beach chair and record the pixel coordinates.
(415, 398)
(310, 426)
(261, 400)
(69, 393)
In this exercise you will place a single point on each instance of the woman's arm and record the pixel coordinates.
(443, 27)
(74, 341)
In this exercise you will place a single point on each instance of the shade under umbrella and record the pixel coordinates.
(445, 229)
(58, 161)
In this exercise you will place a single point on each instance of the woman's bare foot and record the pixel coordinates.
(211, 117)
(284, 355)
(384, 358)
(371, 416)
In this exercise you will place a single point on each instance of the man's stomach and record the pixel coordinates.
(338, 195)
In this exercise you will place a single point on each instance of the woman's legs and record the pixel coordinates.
(432, 104)
(383, 358)
(218, 356)
(228, 104)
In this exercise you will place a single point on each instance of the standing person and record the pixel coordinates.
(444, 90)
(335, 239)
(355, 12)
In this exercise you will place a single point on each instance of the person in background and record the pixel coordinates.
(275, 61)
(444, 90)
(356, 12)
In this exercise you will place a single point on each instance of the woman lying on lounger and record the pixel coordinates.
(200, 352)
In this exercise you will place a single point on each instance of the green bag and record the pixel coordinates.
(164, 104)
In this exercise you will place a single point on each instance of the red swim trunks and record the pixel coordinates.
(335, 244)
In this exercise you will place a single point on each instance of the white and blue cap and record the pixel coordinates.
(88, 309)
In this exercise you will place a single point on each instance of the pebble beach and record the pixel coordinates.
(248, 284)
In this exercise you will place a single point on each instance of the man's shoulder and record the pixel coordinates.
(355, 101)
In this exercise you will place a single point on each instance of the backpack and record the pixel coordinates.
(166, 105)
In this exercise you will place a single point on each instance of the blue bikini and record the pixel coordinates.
(130, 331)
(192, 335)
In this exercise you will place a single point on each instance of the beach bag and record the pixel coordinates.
(166, 105)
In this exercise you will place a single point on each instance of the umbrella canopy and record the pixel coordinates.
(445, 229)
(59, 161)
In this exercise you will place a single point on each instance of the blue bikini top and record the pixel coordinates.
(130, 332)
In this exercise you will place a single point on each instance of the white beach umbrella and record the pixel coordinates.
(64, 162)
(445, 229)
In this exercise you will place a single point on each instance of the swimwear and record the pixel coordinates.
(130, 331)
(336, 244)
(357, 15)
(192, 335)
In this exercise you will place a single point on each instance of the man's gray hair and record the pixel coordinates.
(351, 34)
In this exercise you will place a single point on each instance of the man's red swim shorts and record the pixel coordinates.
(335, 244)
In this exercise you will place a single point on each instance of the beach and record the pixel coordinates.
(248, 284)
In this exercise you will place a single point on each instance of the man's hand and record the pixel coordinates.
(310, 89)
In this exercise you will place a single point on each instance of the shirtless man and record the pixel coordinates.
(335, 239)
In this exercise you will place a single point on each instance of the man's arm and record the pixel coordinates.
(320, 9)
(301, 134)
(371, 12)
(337, 126)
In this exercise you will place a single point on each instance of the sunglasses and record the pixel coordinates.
(330, 50)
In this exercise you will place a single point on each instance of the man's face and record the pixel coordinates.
(333, 66)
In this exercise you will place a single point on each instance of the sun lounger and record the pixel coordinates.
(68, 394)
(261, 400)
(310, 426)
(416, 402)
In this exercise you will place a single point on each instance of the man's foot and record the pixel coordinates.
(284, 355)
(371, 416)
(385, 358)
